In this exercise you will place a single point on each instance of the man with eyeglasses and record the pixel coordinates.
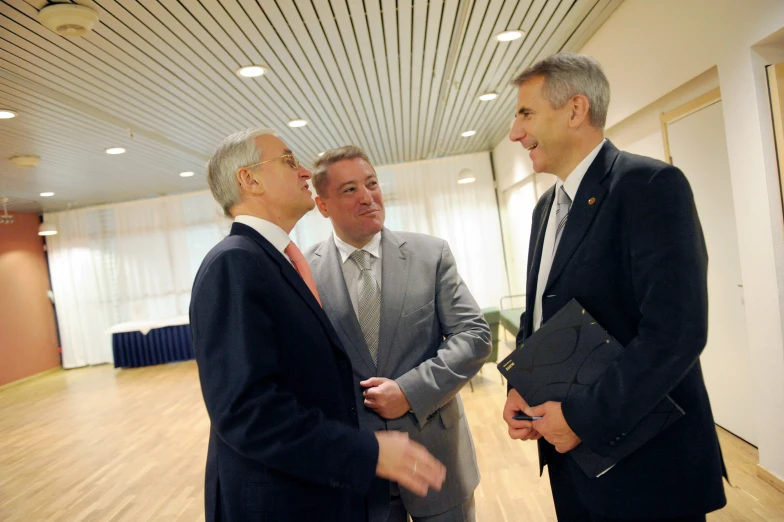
(277, 383)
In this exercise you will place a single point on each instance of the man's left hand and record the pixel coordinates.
(553, 426)
(385, 397)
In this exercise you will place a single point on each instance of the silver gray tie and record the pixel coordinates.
(368, 302)
(561, 213)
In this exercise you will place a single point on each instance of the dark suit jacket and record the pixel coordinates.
(278, 387)
(633, 255)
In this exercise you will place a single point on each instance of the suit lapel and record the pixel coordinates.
(291, 276)
(587, 202)
(328, 274)
(540, 226)
(394, 282)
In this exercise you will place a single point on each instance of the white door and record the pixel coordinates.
(698, 147)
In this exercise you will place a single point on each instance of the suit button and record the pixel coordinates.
(612, 443)
(618, 439)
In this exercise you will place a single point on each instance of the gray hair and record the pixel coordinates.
(566, 75)
(234, 152)
(323, 163)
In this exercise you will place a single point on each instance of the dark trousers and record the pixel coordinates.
(567, 504)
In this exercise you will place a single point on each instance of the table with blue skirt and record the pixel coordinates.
(145, 343)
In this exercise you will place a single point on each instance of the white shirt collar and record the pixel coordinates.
(268, 230)
(574, 179)
(373, 246)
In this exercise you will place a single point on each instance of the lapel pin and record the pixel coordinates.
(592, 201)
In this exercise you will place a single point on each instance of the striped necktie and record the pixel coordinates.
(561, 213)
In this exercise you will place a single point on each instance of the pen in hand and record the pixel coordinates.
(523, 416)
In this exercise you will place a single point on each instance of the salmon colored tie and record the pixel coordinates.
(301, 266)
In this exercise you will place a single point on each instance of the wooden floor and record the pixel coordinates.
(101, 444)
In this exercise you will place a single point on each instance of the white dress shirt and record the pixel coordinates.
(350, 269)
(269, 231)
(571, 185)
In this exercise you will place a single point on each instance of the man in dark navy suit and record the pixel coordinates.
(619, 233)
(284, 438)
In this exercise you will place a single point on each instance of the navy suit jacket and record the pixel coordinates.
(284, 438)
(633, 254)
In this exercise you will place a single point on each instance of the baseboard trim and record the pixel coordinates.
(770, 478)
(29, 378)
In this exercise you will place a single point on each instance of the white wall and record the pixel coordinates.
(519, 188)
(643, 65)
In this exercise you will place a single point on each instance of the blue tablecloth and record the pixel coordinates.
(159, 346)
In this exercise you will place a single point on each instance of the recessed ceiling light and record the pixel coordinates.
(468, 134)
(186, 174)
(508, 36)
(466, 176)
(488, 96)
(251, 71)
(297, 123)
(47, 194)
(6, 115)
(115, 150)
(321, 154)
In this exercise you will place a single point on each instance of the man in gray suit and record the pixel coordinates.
(414, 333)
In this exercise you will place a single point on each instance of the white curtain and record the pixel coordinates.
(126, 262)
(136, 261)
(424, 197)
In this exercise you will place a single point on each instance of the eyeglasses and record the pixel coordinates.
(288, 158)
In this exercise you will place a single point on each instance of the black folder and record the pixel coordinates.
(565, 356)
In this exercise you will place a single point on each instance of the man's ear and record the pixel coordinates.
(579, 109)
(322, 206)
(250, 181)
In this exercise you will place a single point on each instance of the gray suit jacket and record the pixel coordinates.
(433, 339)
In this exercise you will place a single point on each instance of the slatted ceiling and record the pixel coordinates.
(592, 14)
(48, 116)
(533, 25)
(465, 96)
(344, 40)
(397, 77)
(31, 59)
(312, 36)
(373, 58)
(509, 15)
(547, 24)
(297, 51)
(96, 81)
(467, 46)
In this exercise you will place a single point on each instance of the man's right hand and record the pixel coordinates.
(518, 429)
(409, 464)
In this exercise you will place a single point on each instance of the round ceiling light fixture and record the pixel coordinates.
(187, 174)
(115, 150)
(488, 96)
(6, 114)
(68, 19)
(26, 162)
(297, 123)
(46, 229)
(466, 176)
(468, 134)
